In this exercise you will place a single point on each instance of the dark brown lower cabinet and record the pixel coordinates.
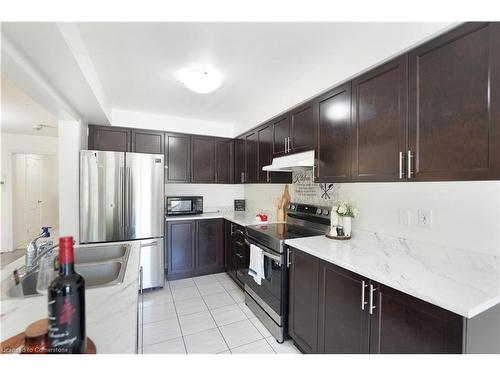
(343, 322)
(194, 247)
(335, 311)
(303, 301)
(237, 255)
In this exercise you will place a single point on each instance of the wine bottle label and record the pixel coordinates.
(65, 331)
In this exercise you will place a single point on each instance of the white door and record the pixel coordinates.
(33, 195)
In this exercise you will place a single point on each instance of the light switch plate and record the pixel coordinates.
(425, 218)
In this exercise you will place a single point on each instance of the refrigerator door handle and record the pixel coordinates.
(127, 202)
(121, 212)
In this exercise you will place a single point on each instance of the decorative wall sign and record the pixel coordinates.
(304, 190)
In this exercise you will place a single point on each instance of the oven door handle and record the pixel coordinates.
(277, 258)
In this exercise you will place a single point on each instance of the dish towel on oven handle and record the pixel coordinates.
(256, 268)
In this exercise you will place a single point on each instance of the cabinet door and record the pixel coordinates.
(343, 317)
(334, 149)
(209, 245)
(202, 159)
(224, 161)
(177, 158)
(109, 138)
(181, 248)
(281, 131)
(251, 157)
(147, 141)
(229, 254)
(265, 157)
(239, 160)
(303, 300)
(380, 122)
(402, 324)
(455, 105)
(303, 128)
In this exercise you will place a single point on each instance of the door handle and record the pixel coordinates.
(39, 201)
(401, 165)
(410, 157)
(149, 244)
(363, 287)
(372, 307)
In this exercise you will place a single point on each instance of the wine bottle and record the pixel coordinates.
(66, 295)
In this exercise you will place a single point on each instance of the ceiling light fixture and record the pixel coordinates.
(201, 81)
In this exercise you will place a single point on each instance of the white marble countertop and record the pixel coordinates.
(466, 283)
(241, 218)
(110, 310)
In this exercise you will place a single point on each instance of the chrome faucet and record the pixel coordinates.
(32, 250)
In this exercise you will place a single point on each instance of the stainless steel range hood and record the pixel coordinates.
(290, 162)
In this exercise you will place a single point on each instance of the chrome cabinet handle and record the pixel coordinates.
(232, 229)
(288, 258)
(372, 307)
(363, 287)
(289, 148)
(410, 157)
(401, 163)
(268, 177)
(285, 145)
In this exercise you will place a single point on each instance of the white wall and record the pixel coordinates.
(465, 215)
(72, 139)
(214, 196)
(10, 144)
(144, 120)
(50, 190)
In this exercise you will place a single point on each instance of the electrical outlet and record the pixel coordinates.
(425, 218)
(404, 217)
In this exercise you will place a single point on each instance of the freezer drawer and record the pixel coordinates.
(152, 261)
(101, 196)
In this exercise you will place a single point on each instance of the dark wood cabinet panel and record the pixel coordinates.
(181, 248)
(177, 158)
(303, 128)
(109, 138)
(239, 160)
(402, 324)
(334, 135)
(379, 114)
(303, 300)
(265, 157)
(224, 161)
(202, 159)
(251, 161)
(147, 141)
(236, 255)
(281, 131)
(454, 101)
(343, 322)
(209, 245)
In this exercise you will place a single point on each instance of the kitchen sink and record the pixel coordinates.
(102, 253)
(100, 265)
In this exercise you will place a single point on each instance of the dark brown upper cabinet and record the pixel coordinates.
(454, 116)
(334, 135)
(224, 161)
(302, 128)
(109, 138)
(177, 158)
(379, 115)
(202, 159)
(251, 141)
(265, 157)
(281, 135)
(239, 160)
(147, 141)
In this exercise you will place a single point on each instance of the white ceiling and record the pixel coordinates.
(268, 67)
(20, 112)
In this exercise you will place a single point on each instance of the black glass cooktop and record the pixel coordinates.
(272, 235)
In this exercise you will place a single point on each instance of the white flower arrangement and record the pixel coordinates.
(347, 209)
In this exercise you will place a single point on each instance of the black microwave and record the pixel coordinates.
(184, 205)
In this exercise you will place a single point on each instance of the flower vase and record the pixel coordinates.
(346, 223)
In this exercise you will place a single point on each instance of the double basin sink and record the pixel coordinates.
(100, 265)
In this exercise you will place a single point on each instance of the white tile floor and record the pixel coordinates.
(206, 315)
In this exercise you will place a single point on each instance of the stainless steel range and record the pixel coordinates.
(269, 301)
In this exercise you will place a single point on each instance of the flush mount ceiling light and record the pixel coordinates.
(200, 80)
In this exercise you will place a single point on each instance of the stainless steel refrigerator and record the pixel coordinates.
(121, 199)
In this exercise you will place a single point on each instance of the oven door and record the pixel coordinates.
(269, 295)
